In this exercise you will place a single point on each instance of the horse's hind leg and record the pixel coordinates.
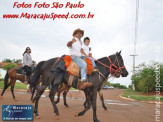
(85, 103)
(53, 91)
(59, 91)
(64, 96)
(12, 89)
(38, 95)
(4, 89)
(88, 100)
(102, 99)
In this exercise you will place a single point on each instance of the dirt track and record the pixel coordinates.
(119, 110)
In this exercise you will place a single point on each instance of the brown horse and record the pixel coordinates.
(13, 76)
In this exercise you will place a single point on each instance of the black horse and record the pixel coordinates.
(104, 65)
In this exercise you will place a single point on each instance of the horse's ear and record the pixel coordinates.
(120, 52)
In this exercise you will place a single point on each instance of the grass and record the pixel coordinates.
(18, 85)
(129, 93)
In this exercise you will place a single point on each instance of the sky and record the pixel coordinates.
(112, 29)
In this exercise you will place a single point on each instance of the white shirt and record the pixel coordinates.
(27, 59)
(75, 50)
(86, 49)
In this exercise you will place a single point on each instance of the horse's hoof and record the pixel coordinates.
(105, 109)
(57, 117)
(37, 117)
(97, 120)
(15, 99)
(33, 101)
(76, 115)
(1, 97)
(67, 106)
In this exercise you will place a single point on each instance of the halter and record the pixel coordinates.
(117, 70)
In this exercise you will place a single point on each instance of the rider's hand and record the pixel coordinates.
(73, 40)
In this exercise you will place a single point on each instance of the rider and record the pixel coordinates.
(27, 63)
(86, 52)
(75, 47)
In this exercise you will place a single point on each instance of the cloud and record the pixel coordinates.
(111, 30)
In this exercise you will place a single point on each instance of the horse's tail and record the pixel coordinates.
(36, 76)
(6, 79)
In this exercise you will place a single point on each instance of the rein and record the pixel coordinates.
(55, 62)
(116, 71)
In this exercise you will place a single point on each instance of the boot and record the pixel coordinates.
(82, 85)
(26, 79)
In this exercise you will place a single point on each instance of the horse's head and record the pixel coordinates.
(120, 64)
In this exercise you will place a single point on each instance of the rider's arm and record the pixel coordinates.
(82, 51)
(69, 44)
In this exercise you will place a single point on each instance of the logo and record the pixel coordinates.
(17, 112)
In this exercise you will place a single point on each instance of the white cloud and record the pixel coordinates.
(111, 30)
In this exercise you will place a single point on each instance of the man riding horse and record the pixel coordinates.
(75, 47)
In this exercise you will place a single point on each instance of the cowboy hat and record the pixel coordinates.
(78, 30)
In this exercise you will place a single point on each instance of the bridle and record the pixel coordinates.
(113, 72)
(118, 69)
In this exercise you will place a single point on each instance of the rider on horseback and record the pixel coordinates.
(75, 47)
(86, 52)
(27, 63)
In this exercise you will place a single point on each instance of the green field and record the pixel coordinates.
(18, 85)
(134, 95)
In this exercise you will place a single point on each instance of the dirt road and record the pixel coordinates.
(119, 110)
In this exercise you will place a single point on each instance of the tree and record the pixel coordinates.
(17, 61)
(145, 78)
(123, 87)
(9, 66)
(7, 60)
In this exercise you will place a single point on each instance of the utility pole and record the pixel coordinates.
(135, 40)
(133, 73)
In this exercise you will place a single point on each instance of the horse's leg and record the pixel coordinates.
(64, 96)
(87, 107)
(33, 92)
(93, 101)
(102, 99)
(59, 91)
(85, 103)
(53, 91)
(4, 89)
(12, 89)
(37, 97)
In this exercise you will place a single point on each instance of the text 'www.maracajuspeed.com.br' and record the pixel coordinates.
(52, 16)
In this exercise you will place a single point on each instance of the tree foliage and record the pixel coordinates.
(9, 66)
(7, 60)
(145, 78)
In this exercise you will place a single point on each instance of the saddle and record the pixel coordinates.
(74, 69)
(20, 70)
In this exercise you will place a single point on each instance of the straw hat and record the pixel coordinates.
(78, 30)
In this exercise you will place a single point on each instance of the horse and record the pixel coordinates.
(65, 89)
(104, 65)
(13, 76)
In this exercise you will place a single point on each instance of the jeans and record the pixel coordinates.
(28, 70)
(92, 60)
(83, 66)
